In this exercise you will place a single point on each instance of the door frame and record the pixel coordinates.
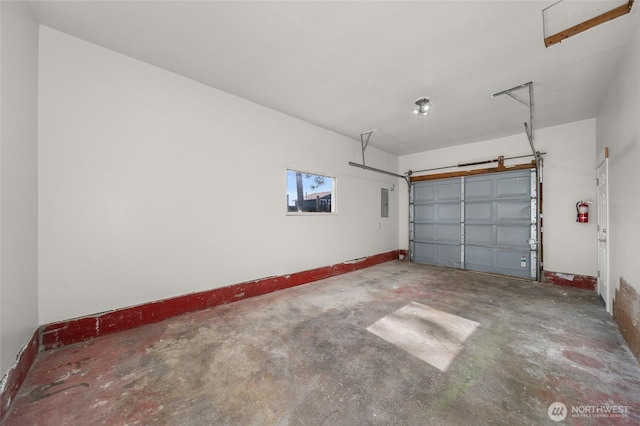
(602, 212)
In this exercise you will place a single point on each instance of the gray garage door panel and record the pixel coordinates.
(517, 184)
(493, 235)
(442, 233)
(498, 236)
(438, 212)
(514, 210)
(498, 185)
(444, 190)
(436, 228)
(503, 261)
(515, 236)
(437, 254)
(497, 224)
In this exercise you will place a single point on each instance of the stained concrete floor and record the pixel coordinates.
(304, 356)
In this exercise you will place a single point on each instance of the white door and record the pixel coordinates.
(604, 287)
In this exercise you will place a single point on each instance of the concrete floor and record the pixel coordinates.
(500, 350)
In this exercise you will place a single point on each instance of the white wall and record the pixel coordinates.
(618, 127)
(153, 185)
(18, 180)
(568, 176)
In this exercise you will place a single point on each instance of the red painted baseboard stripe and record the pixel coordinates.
(77, 330)
(18, 373)
(571, 280)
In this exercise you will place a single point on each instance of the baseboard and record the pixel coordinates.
(16, 374)
(626, 307)
(571, 280)
(80, 329)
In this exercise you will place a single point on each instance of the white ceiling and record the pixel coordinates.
(354, 66)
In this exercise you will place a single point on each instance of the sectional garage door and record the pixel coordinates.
(484, 223)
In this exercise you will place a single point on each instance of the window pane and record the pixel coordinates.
(307, 192)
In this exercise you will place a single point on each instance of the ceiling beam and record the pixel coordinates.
(590, 23)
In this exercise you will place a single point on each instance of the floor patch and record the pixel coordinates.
(430, 335)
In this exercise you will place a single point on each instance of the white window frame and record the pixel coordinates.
(334, 185)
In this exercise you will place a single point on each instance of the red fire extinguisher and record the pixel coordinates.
(582, 208)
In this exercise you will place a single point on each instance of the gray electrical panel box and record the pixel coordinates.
(384, 202)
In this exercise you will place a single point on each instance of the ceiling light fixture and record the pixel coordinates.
(423, 106)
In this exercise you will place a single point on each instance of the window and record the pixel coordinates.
(310, 192)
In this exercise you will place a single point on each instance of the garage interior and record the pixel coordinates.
(459, 243)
